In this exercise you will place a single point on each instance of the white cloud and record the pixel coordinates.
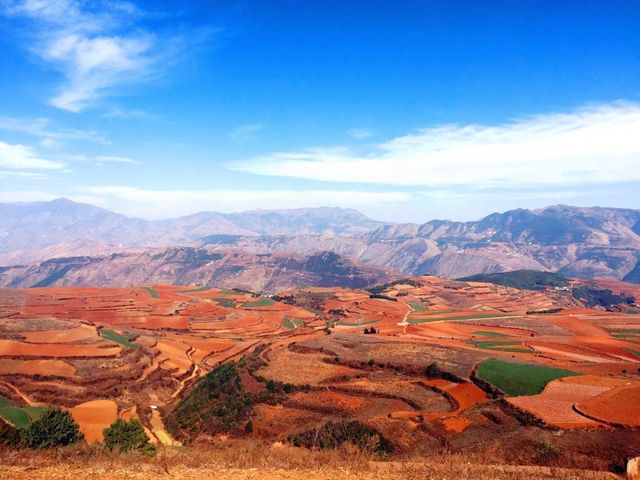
(171, 203)
(360, 133)
(21, 157)
(96, 50)
(114, 159)
(597, 144)
(245, 132)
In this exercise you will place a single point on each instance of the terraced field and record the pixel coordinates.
(442, 354)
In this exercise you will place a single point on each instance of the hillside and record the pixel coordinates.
(187, 265)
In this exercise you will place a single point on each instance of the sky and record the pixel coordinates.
(405, 110)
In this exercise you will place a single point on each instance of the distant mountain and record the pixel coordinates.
(575, 242)
(186, 265)
(41, 230)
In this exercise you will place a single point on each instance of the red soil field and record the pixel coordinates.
(57, 368)
(93, 417)
(11, 348)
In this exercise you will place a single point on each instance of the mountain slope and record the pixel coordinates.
(187, 265)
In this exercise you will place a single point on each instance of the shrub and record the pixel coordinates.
(125, 436)
(9, 435)
(335, 434)
(55, 428)
(248, 427)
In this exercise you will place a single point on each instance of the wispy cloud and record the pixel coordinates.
(595, 144)
(169, 203)
(245, 132)
(360, 133)
(114, 159)
(21, 157)
(51, 136)
(96, 47)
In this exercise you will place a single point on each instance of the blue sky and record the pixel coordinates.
(406, 110)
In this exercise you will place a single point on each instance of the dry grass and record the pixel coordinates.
(243, 459)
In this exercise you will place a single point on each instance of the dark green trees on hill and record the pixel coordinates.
(55, 428)
(217, 404)
(124, 436)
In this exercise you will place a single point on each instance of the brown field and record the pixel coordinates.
(93, 417)
(51, 352)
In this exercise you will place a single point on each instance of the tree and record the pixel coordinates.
(125, 436)
(55, 428)
(366, 331)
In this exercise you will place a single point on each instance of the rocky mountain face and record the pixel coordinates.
(576, 242)
(266, 273)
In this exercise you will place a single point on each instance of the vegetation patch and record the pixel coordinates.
(20, 417)
(522, 279)
(291, 323)
(55, 428)
(225, 302)
(217, 404)
(502, 346)
(486, 333)
(123, 339)
(195, 290)
(517, 379)
(152, 292)
(125, 436)
(417, 307)
(334, 434)
(594, 297)
(263, 302)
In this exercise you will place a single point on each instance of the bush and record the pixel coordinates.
(248, 427)
(55, 428)
(335, 434)
(9, 435)
(125, 436)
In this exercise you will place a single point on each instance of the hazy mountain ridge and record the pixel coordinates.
(187, 265)
(573, 241)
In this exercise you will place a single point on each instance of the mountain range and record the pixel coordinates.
(573, 241)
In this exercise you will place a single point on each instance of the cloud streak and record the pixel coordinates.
(21, 157)
(97, 51)
(595, 144)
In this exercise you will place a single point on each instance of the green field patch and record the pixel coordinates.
(517, 379)
(417, 307)
(263, 302)
(635, 352)
(228, 292)
(486, 333)
(123, 339)
(418, 320)
(20, 417)
(152, 292)
(291, 323)
(626, 335)
(494, 343)
(195, 290)
(225, 302)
